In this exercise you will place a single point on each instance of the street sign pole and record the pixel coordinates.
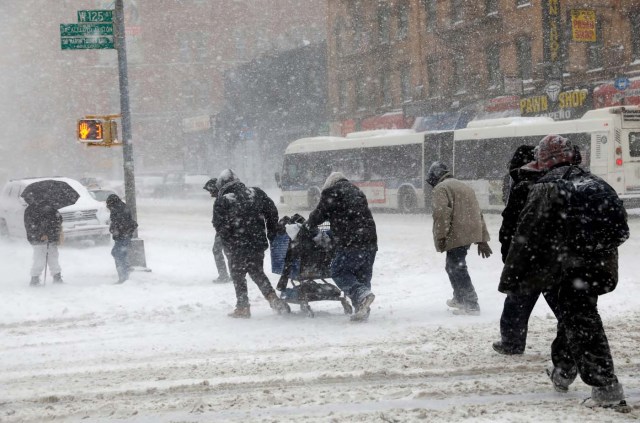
(137, 255)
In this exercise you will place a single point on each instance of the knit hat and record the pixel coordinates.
(436, 172)
(554, 150)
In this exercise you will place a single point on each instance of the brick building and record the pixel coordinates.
(438, 63)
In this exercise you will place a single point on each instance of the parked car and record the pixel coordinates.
(87, 218)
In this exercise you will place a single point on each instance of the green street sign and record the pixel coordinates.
(86, 43)
(95, 16)
(84, 30)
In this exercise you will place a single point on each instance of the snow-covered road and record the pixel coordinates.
(160, 347)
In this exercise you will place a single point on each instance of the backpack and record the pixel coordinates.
(596, 217)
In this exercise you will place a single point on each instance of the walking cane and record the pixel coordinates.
(46, 264)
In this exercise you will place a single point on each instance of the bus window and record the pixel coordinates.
(351, 164)
(395, 162)
(634, 144)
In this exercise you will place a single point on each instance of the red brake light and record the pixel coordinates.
(619, 162)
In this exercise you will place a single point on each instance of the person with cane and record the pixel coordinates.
(43, 224)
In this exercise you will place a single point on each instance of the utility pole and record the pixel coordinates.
(137, 256)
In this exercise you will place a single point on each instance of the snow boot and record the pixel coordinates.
(363, 309)
(278, 304)
(611, 397)
(241, 313)
(222, 279)
(57, 278)
(561, 379)
(35, 281)
(468, 310)
(453, 303)
(501, 348)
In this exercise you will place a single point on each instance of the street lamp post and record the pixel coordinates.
(136, 255)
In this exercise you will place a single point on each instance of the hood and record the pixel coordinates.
(522, 156)
(114, 202)
(226, 179)
(437, 172)
(333, 179)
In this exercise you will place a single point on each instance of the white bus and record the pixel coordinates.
(609, 140)
(387, 165)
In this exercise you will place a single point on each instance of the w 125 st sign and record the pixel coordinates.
(94, 30)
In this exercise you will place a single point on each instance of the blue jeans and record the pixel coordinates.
(456, 267)
(351, 270)
(120, 253)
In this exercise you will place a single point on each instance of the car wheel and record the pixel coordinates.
(407, 201)
(4, 230)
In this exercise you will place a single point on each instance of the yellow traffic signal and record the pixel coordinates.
(91, 130)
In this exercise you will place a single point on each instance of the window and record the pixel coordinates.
(361, 92)
(457, 6)
(405, 83)
(491, 7)
(635, 35)
(493, 65)
(595, 50)
(634, 144)
(343, 95)
(383, 23)
(522, 3)
(431, 12)
(385, 89)
(433, 78)
(403, 21)
(523, 48)
(458, 83)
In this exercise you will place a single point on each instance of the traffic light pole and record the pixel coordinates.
(136, 256)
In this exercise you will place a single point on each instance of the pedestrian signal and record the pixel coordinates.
(90, 130)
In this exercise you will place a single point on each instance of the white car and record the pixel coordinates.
(87, 218)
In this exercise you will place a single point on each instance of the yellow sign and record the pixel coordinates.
(583, 25)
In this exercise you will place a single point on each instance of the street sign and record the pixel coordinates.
(95, 16)
(622, 83)
(86, 43)
(84, 30)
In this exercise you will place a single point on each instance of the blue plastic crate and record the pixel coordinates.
(279, 248)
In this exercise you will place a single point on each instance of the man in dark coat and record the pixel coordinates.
(539, 258)
(240, 217)
(218, 250)
(122, 229)
(517, 308)
(345, 206)
(43, 224)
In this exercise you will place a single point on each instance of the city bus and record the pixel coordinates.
(609, 141)
(390, 165)
(387, 165)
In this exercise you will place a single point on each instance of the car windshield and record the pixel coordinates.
(101, 195)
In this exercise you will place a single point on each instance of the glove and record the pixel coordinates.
(484, 250)
(441, 244)
(44, 238)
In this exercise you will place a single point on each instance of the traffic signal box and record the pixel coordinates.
(101, 131)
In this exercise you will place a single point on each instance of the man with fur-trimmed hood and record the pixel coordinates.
(345, 206)
(246, 220)
(457, 223)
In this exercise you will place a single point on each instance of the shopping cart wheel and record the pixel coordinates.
(347, 307)
(305, 308)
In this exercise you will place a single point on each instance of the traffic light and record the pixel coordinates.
(91, 130)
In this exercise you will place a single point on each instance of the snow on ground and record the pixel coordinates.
(160, 348)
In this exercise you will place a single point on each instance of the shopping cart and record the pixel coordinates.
(302, 262)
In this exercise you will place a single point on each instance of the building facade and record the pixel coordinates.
(436, 64)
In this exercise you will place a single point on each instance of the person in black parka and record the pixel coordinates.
(542, 257)
(345, 206)
(122, 228)
(218, 250)
(246, 220)
(43, 224)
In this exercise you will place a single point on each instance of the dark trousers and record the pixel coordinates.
(352, 270)
(581, 343)
(456, 267)
(251, 262)
(514, 321)
(120, 253)
(218, 256)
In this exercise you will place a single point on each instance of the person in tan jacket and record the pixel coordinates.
(457, 223)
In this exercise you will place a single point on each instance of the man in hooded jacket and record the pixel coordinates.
(345, 206)
(218, 250)
(539, 258)
(240, 217)
(457, 223)
(122, 229)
